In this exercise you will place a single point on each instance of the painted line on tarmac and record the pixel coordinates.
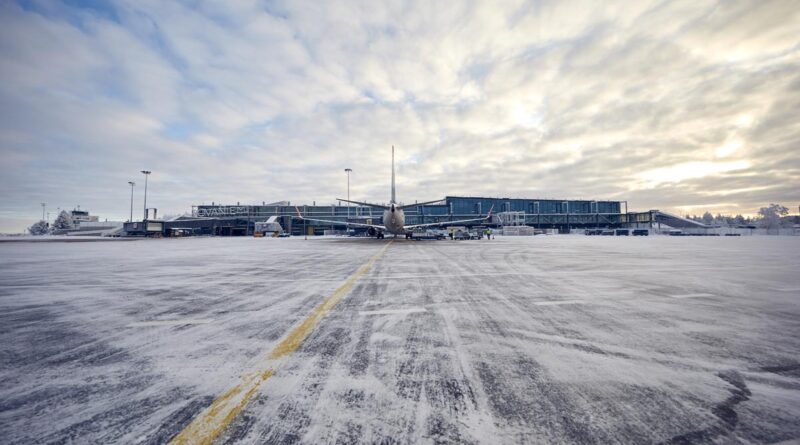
(692, 295)
(139, 324)
(411, 310)
(559, 302)
(210, 423)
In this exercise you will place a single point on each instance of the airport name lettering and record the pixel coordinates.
(222, 211)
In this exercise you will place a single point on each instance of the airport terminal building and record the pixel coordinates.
(558, 214)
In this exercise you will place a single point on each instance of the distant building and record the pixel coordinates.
(79, 216)
(552, 215)
(85, 224)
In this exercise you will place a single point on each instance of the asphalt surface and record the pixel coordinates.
(548, 339)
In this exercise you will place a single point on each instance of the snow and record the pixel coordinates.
(559, 339)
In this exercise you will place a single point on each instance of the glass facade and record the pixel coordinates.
(475, 206)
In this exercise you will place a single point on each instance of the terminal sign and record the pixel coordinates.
(222, 211)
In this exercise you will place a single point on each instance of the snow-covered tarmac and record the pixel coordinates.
(560, 339)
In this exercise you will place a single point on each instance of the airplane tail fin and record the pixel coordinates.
(394, 200)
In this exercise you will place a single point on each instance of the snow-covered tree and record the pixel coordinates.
(39, 228)
(63, 222)
(771, 216)
(708, 218)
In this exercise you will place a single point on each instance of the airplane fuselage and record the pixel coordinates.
(394, 219)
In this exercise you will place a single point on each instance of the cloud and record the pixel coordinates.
(666, 105)
(689, 170)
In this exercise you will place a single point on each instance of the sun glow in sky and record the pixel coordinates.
(690, 170)
(664, 104)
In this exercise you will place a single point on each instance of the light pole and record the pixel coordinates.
(131, 184)
(146, 173)
(348, 171)
(43, 206)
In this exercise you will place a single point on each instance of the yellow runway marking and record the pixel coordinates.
(207, 426)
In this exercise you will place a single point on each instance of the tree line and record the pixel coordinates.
(773, 216)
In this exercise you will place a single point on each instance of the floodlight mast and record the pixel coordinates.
(348, 171)
(146, 173)
(131, 183)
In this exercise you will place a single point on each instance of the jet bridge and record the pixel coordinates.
(677, 222)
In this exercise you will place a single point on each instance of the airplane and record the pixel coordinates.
(394, 217)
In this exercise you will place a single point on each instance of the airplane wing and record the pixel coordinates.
(347, 223)
(419, 204)
(367, 204)
(442, 223)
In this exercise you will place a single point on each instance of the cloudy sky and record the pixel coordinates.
(683, 106)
